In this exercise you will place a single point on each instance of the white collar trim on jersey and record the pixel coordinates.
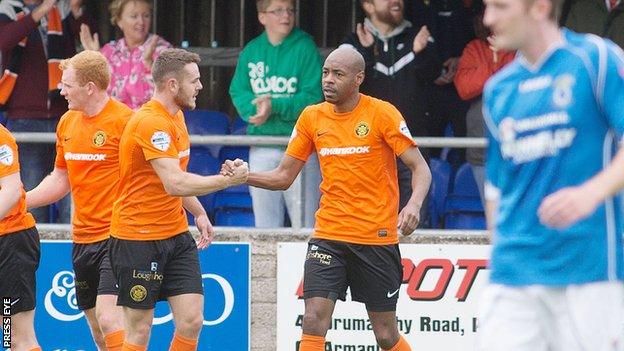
(545, 56)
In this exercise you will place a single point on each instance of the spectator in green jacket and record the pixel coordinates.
(278, 74)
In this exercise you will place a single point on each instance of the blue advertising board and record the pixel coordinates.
(60, 326)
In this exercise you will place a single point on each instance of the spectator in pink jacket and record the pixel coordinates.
(130, 57)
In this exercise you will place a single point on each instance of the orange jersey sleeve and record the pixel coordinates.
(144, 210)
(59, 160)
(18, 218)
(88, 148)
(154, 136)
(394, 129)
(357, 154)
(301, 142)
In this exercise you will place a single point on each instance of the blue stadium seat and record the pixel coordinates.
(204, 122)
(463, 207)
(232, 153)
(2, 118)
(234, 218)
(238, 126)
(233, 199)
(203, 163)
(441, 177)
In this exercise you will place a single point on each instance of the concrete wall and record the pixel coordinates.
(264, 267)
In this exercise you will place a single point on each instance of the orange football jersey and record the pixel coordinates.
(357, 154)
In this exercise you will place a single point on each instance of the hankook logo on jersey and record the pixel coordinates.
(6, 155)
(161, 140)
(350, 150)
(70, 156)
(99, 138)
(362, 129)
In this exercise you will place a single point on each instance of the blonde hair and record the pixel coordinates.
(117, 6)
(90, 66)
(171, 62)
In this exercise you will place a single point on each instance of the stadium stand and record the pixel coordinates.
(463, 208)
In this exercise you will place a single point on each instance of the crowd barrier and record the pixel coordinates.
(448, 261)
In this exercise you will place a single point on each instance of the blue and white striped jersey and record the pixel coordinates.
(551, 125)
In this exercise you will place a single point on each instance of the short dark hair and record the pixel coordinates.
(172, 62)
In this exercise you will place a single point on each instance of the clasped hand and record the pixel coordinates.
(236, 171)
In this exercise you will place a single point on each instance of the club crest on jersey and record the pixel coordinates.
(562, 93)
(161, 140)
(99, 138)
(6, 155)
(362, 129)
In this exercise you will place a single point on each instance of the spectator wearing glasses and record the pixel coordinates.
(277, 76)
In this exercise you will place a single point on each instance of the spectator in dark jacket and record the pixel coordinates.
(600, 17)
(401, 61)
(450, 24)
(34, 36)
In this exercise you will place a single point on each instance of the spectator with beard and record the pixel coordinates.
(401, 62)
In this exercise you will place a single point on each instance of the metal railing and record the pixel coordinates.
(431, 142)
(428, 142)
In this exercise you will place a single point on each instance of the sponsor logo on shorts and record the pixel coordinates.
(70, 156)
(161, 140)
(138, 293)
(147, 275)
(82, 284)
(350, 150)
(391, 294)
(99, 138)
(6, 155)
(362, 129)
(323, 258)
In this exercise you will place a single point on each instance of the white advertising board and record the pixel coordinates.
(437, 308)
